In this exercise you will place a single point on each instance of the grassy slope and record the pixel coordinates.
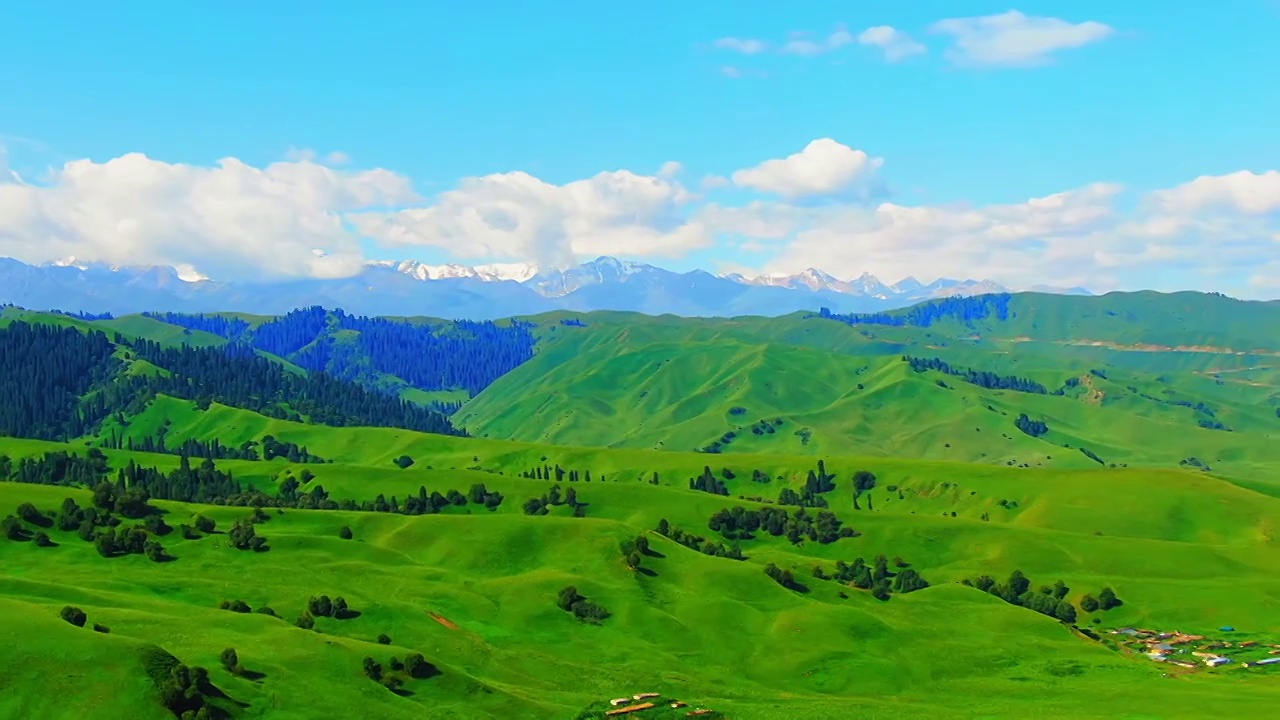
(782, 655)
(670, 384)
(1183, 548)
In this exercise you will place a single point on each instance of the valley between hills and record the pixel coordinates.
(996, 506)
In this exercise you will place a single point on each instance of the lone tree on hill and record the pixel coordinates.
(74, 615)
(231, 661)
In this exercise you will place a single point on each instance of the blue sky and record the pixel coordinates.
(565, 90)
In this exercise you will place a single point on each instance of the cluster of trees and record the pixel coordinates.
(394, 675)
(760, 427)
(82, 315)
(542, 505)
(876, 577)
(961, 309)
(981, 378)
(336, 608)
(210, 449)
(50, 371)
(421, 503)
(741, 523)
(47, 370)
(96, 524)
(135, 486)
(134, 540)
(244, 534)
(810, 495)
(698, 543)
(273, 448)
(1050, 601)
(235, 375)
(461, 354)
(1034, 428)
(185, 691)
(557, 473)
(1106, 600)
(572, 601)
(635, 551)
(231, 328)
(785, 578)
(707, 482)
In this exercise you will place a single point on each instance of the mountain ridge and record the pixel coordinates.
(481, 292)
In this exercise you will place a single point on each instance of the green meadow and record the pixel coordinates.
(631, 414)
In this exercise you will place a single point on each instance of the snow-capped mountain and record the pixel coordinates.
(460, 291)
(496, 272)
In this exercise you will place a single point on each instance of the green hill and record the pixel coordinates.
(668, 383)
(752, 502)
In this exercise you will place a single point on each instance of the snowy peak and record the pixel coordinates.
(868, 285)
(494, 272)
(603, 270)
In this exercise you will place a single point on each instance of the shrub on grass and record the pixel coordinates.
(74, 615)
(231, 661)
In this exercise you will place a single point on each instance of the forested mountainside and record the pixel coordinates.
(59, 383)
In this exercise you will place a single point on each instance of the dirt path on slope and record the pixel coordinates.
(442, 620)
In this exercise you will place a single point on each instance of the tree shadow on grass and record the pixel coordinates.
(404, 693)
(217, 693)
(647, 572)
(252, 675)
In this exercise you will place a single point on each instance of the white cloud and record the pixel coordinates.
(823, 167)
(800, 44)
(515, 215)
(302, 218)
(746, 46)
(226, 220)
(670, 169)
(1242, 191)
(1015, 39)
(895, 43)
(1077, 237)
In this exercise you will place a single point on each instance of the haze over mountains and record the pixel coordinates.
(459, 291)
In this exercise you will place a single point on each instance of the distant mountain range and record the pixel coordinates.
(460, 291)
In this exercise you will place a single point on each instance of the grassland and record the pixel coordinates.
(679, 384)
(961, 492)
(1182, 548)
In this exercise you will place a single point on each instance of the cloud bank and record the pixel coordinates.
(305, 218)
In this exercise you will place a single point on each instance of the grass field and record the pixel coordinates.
(1148, 376)
(960, 492)
(1182, 548)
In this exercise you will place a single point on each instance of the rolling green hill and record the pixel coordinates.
(748, 600)
(668, 383)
